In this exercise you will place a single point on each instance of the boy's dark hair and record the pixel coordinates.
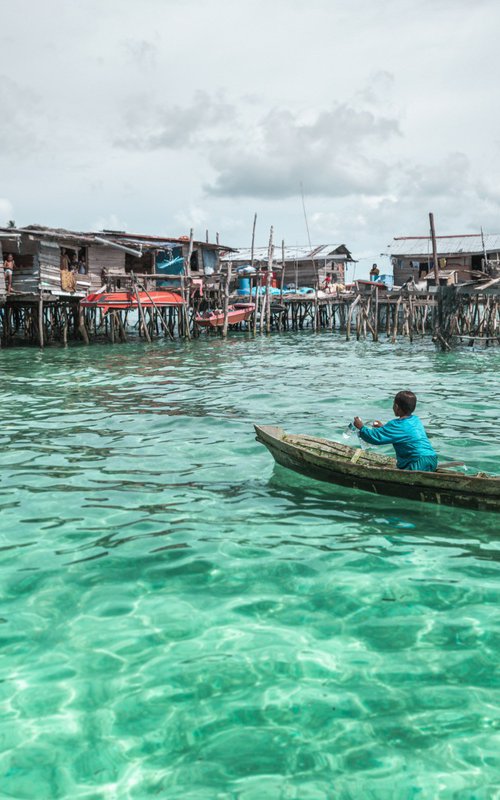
(406, 401)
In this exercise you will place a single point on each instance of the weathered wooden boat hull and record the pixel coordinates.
(237, 313)
(358, 469)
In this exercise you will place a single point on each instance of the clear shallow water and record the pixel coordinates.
(181, 619)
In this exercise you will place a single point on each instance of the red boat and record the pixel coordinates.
(215, 319)
(125, 300)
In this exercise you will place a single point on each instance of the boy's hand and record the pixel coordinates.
(378, 424)
(358, 423)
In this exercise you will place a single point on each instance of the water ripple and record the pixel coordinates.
(180, 618)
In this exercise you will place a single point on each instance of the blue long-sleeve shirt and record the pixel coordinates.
(406, 434)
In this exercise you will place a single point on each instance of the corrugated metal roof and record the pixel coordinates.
(145, 240)
(297, 253)
(150, 240)
(446, 245)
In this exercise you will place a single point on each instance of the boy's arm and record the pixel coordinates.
(384, 435)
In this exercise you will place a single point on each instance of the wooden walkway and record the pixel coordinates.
(452, 315)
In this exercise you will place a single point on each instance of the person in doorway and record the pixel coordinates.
(82, 266)
(8, 268)
(406, 434)
(64, 259)
(374, 272)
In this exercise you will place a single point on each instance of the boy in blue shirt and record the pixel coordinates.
(406, 433)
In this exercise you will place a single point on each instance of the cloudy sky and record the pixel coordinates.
(159, 115)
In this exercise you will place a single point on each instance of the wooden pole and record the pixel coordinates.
(187, 262)
(141, 310)
(268, 302)
(252, 262)
(349, 316)
(396, 320)
(185, 307)
(40, 320)
(282, 281)
(121, 327)
(434, 248)
(65, 325)
(157, 309)
(82, 327)
(226, 299)
(270, 255)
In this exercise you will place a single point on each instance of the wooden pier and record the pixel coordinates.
(451, 315)
(44, 305)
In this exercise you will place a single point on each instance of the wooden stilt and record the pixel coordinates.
(40, 321)
(141, 310)
(226, 299)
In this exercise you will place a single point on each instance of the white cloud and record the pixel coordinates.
(330, 152)
(177, 127)
(225, 108)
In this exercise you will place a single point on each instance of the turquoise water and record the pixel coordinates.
(182, 619)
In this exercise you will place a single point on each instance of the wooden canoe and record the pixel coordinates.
(362, 469)
(239, 312)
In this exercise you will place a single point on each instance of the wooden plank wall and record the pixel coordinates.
(460, 263)
(49, 261)
(304, 272)
(25, 277)
(100, 257)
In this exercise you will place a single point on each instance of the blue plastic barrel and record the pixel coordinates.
(243, 285)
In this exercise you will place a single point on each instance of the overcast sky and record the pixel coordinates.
(158, 115)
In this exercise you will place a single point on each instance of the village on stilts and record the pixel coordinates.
(58, 285)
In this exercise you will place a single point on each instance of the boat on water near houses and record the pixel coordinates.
(125, 300)
(361, 469)
(239, 312)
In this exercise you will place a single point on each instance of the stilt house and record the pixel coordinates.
(304, 266)
(41, 256)
(461, 258)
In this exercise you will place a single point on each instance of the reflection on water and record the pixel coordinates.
(182, 618)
